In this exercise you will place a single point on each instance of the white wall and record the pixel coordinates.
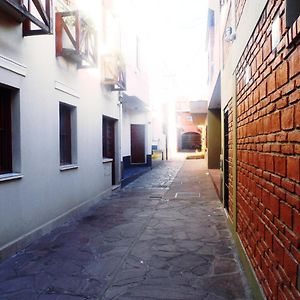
(126, 134)
(251, 14)
(45, 192)
(131, 117)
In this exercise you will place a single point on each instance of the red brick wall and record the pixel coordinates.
(186, 123)
(268, 156)
(230, 154)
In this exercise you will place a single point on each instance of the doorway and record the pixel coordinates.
(137, 143)
(108, 138)
(191, 141)
(226, 160)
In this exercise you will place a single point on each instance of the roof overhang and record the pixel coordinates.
(215, 100)
(133, 103)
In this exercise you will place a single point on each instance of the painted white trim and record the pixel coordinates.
(107, 160)
(10, 176)
(68, 167)
(66, 89)
(13, 66)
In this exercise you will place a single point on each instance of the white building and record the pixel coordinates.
(60, 117)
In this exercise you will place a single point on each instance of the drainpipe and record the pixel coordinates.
(120, 128)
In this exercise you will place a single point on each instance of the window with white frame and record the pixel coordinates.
(67, 134)
(9, 131)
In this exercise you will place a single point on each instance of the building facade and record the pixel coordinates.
(137, 136)
(260, 103)
(61, 77)
(191, 125)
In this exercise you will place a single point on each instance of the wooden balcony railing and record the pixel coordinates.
(114, 75)
(36, 15)
(76, 39)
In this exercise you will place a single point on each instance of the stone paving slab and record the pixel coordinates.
(150, 240)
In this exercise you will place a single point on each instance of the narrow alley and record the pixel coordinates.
(164, 236)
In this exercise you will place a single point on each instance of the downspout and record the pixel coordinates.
(120, 128)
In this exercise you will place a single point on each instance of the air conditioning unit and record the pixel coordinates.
(229, 34)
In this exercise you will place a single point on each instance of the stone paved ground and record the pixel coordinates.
(164, 236)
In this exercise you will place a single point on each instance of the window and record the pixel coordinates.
(276, 32)
(67, 134)
(108, 134)
(108, 143)
(5, 131)
(292, 12)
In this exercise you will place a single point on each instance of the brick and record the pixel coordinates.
(295, 252)
(287, 118)
(274, 205)
(276, 96)
(297, 189)
(259, 59)
(281, 295)
(294, 290)
(267, 123)
(293, 168)
(286, 242)
(294, 62)
(294, 136)
(271, 83)
(269, 162)
(293, 200)
(271, 138)
(263, 90)
(275, 122)
(295, 239)
(275, 147)
(278, 249)
(274, 284)
(275, 179)
(297, 115)
(286, 290)
(282, 137)
(287, 149)
(280, 193)
(288, 185)
(282, 74)
(261, 161)
(281, 103)
(280, 165)
(288, 88)
(295, 96)
(290, 267)
(286, 214)
(296, 221)
(267, 47)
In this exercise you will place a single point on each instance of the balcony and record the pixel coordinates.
(76, 39)
(114, 76)
(36, 15)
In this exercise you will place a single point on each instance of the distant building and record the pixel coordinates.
(191, 125)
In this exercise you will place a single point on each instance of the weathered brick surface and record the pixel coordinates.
(268, 154)
(230, 180)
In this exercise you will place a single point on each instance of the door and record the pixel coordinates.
(226, 161)
(108, 134)
(137, 144)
